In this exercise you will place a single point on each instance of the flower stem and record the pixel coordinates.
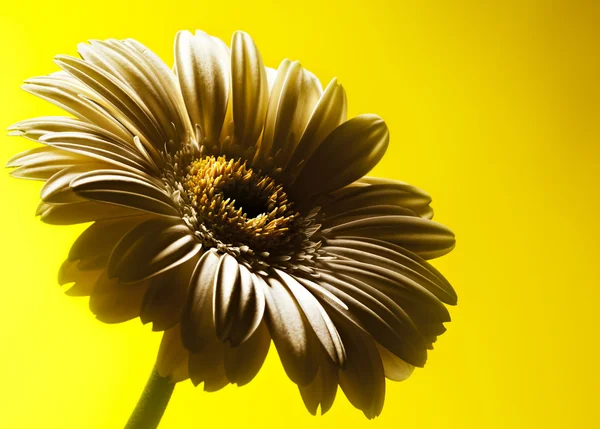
(152, 404)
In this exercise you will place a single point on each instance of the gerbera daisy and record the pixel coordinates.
(230, 207)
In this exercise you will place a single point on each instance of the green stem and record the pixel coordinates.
(152, 404)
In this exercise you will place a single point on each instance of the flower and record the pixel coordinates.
(230, 207)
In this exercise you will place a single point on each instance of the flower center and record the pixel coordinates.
(240, 206)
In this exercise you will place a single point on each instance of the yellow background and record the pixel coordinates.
(493, 107)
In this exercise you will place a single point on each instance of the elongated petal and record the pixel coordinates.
(347, 154)
(57, 189)
(124, 189)
(202, 64)
(242, 363)
(99, 149)
(43, 162)
(114, 95)
(227, 295)
(249, 90)
(208, 366)
(398, 260)
(424, 237)
(365, 212)
(165, 298)
(81, 212)
(370, 191)
(323, 389)
(417, 309)
(329, 113)
(152, 82)
(75, 98)
(151, 248)
(318, 318)
(172, 360)
(239, 312)
(100, 238)
(375, 314)
(197, 320)
(292, 101)
(395, 368)
(290, 334)
(114, 302)
(363, 379)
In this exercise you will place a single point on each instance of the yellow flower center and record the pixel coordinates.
(239, 205)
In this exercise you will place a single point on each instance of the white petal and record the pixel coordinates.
(125, 189)
(395, 368)
(197, 320)
(363, 379)
(290, 334)
(329, 113)
(115, 302)
(398, 260)
(424, 237)
(57, 188)
(202, 64)
(323, 389)
(243, 363)
(172, 360)
(208, 366)
(291, 103)
(318, 319)
(81, 212)
(249, 90)
(152, 247)
(226, 296)
(347, 154)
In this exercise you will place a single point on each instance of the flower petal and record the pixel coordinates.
(101, 237)
(151, 248)
(41, 163)
(149, 79)
(363, 379)
(164, 301)
(329, 113)
(250, 90)
(374, 313)
(292, 101)
(81, 212)
(239, 313)
(202, 64)
(323, 389)
(318, 319)
(226, 295)
(124, 189)
(395, 368)
(197, 320)
(347, 154)
(426, 238)
(113, 94)
(242, 363)
(100, 149)
(77, 99)
(172, 360)
(371, 191)
(208, 366)
(57, 189)
(416, 308)
(291, 336)
(114, 302)
(397, 259)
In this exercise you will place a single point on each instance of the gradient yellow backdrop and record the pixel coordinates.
(493, 107)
